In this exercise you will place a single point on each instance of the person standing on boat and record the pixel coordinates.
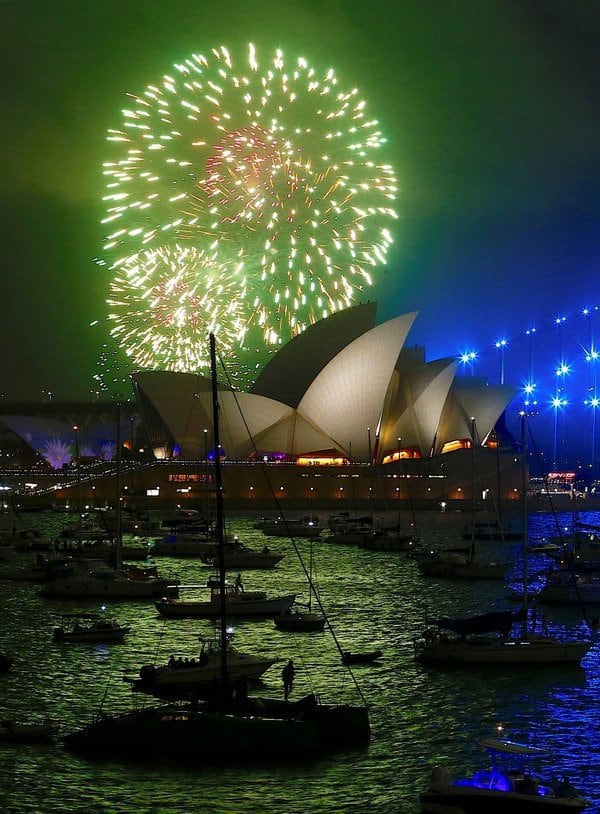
(287, 675)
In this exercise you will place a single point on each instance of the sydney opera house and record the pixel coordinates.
(346, 411)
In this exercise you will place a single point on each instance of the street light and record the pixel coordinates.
(501, 344)
(468, 358)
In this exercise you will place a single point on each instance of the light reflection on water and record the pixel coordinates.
(419, 716)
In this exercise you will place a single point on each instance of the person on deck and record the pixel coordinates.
(287, 675)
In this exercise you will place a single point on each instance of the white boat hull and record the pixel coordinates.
(496, 650)
(242, 605)
(101, 589)
(176, 682)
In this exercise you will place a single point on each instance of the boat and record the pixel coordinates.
(31, 540)
(498, 637)
(308, 526)
(349, 530)
(184, 677)
(227, 725)
(237, 603)
(28, 732)
(183, 544)
(570, 588)
(106, 550)
(240, 556)
(298, 620)
(361, 657)
(347, 535)
(344, 521)
(44, 567)
(253, 730)
(508, 784)
(303, 620)
(493, 638)
(95, 579)
(186, 519)
(544, 547)
(389, 540)
(458, 565)
(89, 627)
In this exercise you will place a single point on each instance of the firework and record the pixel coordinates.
(166, 301)
(271, 166)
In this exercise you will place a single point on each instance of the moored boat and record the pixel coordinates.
(89, 627)
(489, 638)
(184, 677)
(300, 621)
(257, 729)
(28, 732)
(237, 555)
(237, 603)
(95, 579)
(386, 540)
(361, 656)
(308, 526)
(564, 588)
(458, 565)
(507, 785)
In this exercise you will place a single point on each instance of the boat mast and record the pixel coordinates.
(118, 507)
(220, 527)
(524, 523)
(473, 499)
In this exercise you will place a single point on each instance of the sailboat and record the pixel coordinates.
(488, 638)
(303, 621)
(230, 724)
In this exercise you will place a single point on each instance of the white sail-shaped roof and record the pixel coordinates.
(243, 417)
(295, 436)
(291, 371)
(468, 400)
(346, 398)
(415, 402)
(175, 397)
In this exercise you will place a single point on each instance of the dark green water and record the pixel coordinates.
(419, 716)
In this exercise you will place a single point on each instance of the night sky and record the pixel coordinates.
(491, 112)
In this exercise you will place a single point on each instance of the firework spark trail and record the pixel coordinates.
(274, 168)
(166, 301)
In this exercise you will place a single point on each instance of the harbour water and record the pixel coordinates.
(420, 716)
